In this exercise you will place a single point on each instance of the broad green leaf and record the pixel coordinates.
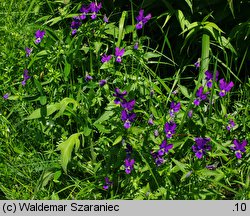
(117, 140)
(181, 166)
(149, 55)
(105, 116)
(101, 128)
(182, 20)
(50, 110)
(107, 65)
(66, 149)
(63, 105)
(184, 91)
(43, 100)
(39, 86)
(121, 28)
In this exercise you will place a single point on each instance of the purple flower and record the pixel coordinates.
(200, 96)
(129, 165)
(174, 107)
(151, 121)
(102, 82)
(119, 95)
(156, 133)
(141, 19)
(28, 51)
(230, 125)
(159, 160)
(6, 96)
(107, 183)
(239, 148)
(105, 18)
(74, 31)
(164, 148)
(25, 77)
(197, 64)
(169, 129)
(94, 8)
(127, 118)
(201, 147)
(209, 78)
(136, 46)
(190, 113)
(224, 87)
(119, 53)
(88, 78)
(128, 105)
(39, 36)
(106, 58)
(84, 10)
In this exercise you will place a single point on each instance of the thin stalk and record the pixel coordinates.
(205, 47)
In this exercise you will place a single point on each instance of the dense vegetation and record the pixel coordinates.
(141, 100)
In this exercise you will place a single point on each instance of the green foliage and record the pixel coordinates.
(61, 132)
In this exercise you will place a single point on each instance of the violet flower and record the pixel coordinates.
(197, 64)
(230, 125)
(156, 133)
(106, 58)
(88, 78)
(107, 183)
(129, 165)
(159, 160)
(224, 87)
(94, 7)
(119, 95)
(209, 78)
(190, 113)
(201, 147)
(119, 53)
(174, 107)
(128, 105)
(169, 129)
(105, 18)
(28, 51)
(239, 148)
(6, 96)
(151, 121)
(39, 36)
(164, 148)
(136, 46)
(127, 118)
(102, 82)
(25, 77)
(142, 20)
(84, 10)
(200, 96)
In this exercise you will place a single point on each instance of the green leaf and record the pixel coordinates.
(50, 110)
(66, 149)
(101, 128)
(121, 28)
(43, 100)
(149, 55)
(181, 166)
(117, 140)
(63, 105)
(67, 68)
(39, 86)
(105, 116)
(184, 91)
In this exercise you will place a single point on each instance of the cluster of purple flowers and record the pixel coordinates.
(92, 8)
(118, 54)
(223, 85)
(163, 149)
(127, 114)
(230, 125)
(128, 162)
